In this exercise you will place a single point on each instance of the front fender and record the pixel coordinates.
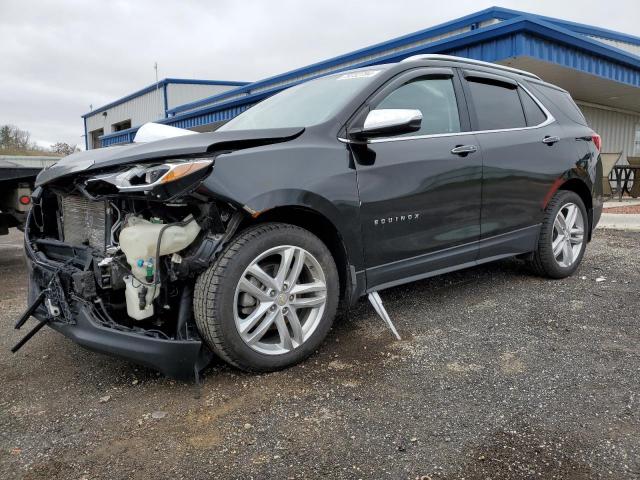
(317, 177)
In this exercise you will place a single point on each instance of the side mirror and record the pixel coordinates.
(390, 121)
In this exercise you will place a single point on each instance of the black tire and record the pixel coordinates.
(215, 294)
(544, 262)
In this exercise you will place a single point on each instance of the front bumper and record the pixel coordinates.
(180, 359)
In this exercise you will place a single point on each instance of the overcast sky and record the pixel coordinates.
(59, 57)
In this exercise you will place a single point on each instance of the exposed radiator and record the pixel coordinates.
(83, 221)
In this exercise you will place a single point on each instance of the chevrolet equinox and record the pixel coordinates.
(244, 241)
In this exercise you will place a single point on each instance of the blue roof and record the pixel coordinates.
(578, 30)
(159, 85)
(506, 13)
(515, 34)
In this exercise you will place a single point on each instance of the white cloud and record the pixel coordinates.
(60, 57)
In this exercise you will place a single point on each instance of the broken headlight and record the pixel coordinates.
(161, 180)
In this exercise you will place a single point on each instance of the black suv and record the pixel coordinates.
(243, 242)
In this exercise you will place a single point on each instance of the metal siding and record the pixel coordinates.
(181, 93)
(494, 42)
(568, 56)
(126, 136)
(499, 47)
(616, 129)
(376, 55)
(629, 47)
(145, 108)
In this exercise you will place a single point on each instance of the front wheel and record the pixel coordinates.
(563, 235)
(270, 298)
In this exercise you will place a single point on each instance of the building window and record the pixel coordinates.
(95, 137)
(124, 125)
(636, 145)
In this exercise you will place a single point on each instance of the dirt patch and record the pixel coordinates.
(631, 209)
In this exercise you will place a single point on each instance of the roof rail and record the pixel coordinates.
(451, 58)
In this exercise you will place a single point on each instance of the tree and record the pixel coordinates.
(12, 138)
(64, 148)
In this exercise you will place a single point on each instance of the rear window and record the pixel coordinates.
(497, 105)
(563, 101)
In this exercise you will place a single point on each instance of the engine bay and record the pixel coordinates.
(131, 258)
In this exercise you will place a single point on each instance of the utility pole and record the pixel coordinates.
(160, 100)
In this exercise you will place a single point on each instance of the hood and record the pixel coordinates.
(201, 143)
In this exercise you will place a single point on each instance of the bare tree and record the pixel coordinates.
(64, 148)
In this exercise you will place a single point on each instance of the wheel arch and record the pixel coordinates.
(321, 226)
(580, 188)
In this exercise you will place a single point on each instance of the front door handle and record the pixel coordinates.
(464, 150)
(549, 140)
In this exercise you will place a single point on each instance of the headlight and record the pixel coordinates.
(144, 178)
(140, 179)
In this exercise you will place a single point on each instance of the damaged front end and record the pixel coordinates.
(114, 253)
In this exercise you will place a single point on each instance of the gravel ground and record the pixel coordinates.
(632, 209)
(499, 375)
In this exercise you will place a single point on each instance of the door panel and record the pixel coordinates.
(523, 150)
(417, 198)
(518, 171)
(420, 202)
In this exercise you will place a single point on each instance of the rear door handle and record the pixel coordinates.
(549, 140)
(464, 150)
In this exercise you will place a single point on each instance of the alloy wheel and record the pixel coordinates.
(279, 300)
(568, 235)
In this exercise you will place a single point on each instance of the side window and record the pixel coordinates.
(497, 105)
(533, 113)
(434, 97)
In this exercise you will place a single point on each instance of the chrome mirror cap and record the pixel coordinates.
(391, 121)
(391, 117)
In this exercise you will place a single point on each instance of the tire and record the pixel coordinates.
(223, 307)
(556, 265)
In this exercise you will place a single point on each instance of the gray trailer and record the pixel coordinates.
(17, 176)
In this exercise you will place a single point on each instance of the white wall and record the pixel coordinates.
(629, 47)
(181, 93)
(616, 128)
(150, 106)
(139, 110)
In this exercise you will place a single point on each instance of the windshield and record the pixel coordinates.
(304, 105)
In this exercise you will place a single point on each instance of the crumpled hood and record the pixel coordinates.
(201, 143)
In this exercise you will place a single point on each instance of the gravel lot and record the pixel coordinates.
(499, 375)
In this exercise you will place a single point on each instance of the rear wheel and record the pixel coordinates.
(562, 239)
(270, 298)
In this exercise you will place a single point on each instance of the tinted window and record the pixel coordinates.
(497, 105)
(534, 114)
(434, 97)
(564, 102)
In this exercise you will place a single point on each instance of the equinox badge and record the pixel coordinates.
(399, 218)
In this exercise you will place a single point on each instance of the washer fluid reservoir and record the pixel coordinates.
(139, 241)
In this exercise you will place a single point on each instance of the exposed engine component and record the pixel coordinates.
(144, 242)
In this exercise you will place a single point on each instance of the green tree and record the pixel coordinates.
(12, 138)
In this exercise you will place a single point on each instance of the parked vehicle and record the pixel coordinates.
(244, 241)
(17, 176)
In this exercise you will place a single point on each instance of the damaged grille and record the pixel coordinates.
(83, 221)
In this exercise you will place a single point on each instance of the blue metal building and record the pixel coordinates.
(599, 67)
